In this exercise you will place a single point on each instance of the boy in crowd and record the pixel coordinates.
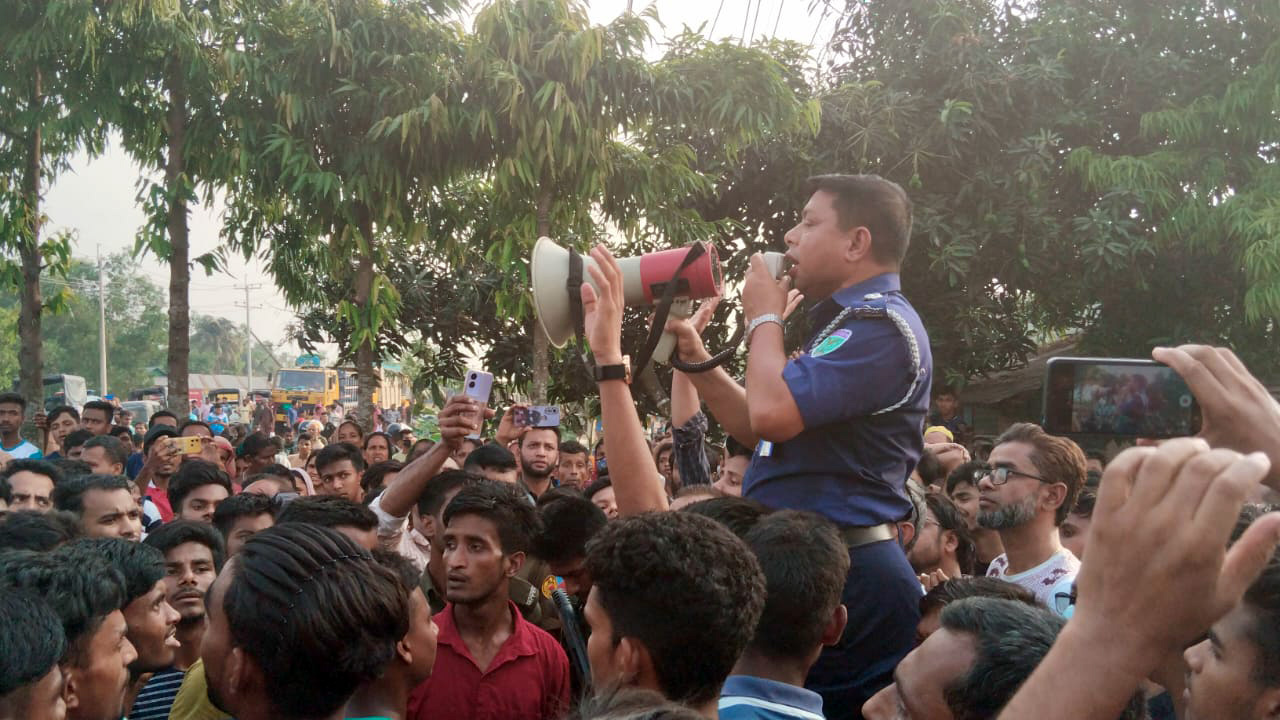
(103, 504)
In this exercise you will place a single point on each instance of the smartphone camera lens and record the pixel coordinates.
(471, 384)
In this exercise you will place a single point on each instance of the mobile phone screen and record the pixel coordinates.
(1121, 397)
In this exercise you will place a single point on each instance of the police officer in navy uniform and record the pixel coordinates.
(838, 430)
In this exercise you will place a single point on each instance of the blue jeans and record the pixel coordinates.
(882, 595)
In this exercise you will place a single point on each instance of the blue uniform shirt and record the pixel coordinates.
(863, 393)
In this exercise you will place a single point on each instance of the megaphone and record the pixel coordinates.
(644, 280)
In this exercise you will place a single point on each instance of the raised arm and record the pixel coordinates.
(461, 415)
(636, 483)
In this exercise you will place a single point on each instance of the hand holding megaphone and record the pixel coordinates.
(762, 294)
(602, 309)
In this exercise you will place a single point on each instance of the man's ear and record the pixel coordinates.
(515, 562)
(71, 688)
(835, 626)
(635, 665)
(950, 543)
(859, 248)
(403, 652)
(906, 533)
(1055, 494)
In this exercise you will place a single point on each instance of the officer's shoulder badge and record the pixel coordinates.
(831, 343)
(550, 585)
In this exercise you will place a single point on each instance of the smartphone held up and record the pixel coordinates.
(478, 384)
(1119, 398)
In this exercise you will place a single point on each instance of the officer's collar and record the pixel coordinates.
(854, 294)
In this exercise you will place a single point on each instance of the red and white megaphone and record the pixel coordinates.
(644, 281)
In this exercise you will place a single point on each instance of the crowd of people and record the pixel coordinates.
(853, 550)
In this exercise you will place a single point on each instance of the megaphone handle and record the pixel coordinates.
(680, 308)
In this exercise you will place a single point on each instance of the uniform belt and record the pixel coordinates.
(857, 536)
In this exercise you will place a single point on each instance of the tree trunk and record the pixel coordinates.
(366, 372)
(179, 270)
(31, 352)
(541, 343)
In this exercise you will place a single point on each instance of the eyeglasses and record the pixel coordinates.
(1000, 475)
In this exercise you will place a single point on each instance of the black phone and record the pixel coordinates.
(1118, 397)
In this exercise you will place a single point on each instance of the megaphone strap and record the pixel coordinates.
(663, 307)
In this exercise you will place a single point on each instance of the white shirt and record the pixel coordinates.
(22, 450)
(1050, 578)
(396, 535)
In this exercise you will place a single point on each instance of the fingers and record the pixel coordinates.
(1247, 558)
(1195, 479)
(1117, 480)
(1154, 479)
(1227, 493)
(1187, 361)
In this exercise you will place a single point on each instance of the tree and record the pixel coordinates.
(173, 77)
(589, 135)
(353, 109)
(50, 107)
(135, 314)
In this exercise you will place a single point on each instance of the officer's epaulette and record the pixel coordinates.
(873, 305)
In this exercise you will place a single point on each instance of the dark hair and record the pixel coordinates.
(62, 410)
(282, 483)
(6, 491)
(568, 522)
(238, 506)
(601, 483)
(156, 434)
(371, 480)
(257, 442)
(739, 514)
(13, 398)
(31, 642)
(119, 431)
(75, 438)
(151, 421)
(949, 591)
(572, 447)
(71, 468)
(81, 594)
(329, 511)
(965, 474)
(1084, 503)
(111, 446)
(35, 530)
(805, 564)
(172, 534)
(490, 455)
(431, 501)
(944, 390)
(102, 405)
(676, 581)
(354, 424)
(1263, 600)
(378, 433)
(193, 474)
(930, 469)
(196, 423)
(1010, 640)
(141, 566)
(554, 429)
(733, 448)
(951, 520)
(503, 505)
(702, 490)
(408, 575)
(278, 470)
(877, 204)
(301, 591)
(39, 467)
(1057, 459)
(69, 495)
(336, 453)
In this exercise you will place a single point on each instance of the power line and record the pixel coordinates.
(712, 35)
(746, 16)
(759, 4)
(781, 4)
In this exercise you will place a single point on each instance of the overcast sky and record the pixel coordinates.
(96, 199)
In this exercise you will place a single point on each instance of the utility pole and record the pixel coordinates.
(248, 340)
(102, 328)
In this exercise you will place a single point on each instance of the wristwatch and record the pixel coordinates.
(615, 372)
(761, 320)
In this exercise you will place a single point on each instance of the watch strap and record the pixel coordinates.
(761, 320)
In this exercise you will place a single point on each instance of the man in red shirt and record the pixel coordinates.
(491, 663)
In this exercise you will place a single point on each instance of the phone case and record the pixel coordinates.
(478, 384)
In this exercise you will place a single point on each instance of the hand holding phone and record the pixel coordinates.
(189, 445)
(478, 384)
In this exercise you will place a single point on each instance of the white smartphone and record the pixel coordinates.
(478, 384)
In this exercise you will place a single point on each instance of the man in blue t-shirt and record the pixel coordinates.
(13, 408)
